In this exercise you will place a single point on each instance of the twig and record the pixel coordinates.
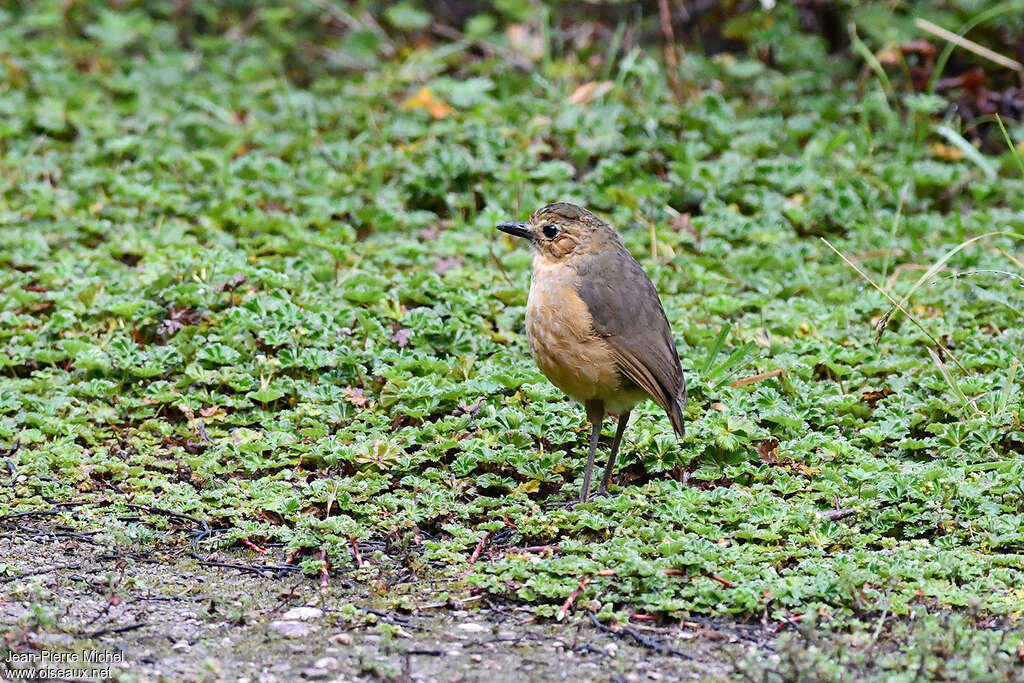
(725, 582)
(446, 603)
(30, 513)
(354, 24)
(757, 378)
(572, 598)
(1013, 258)
(58, 533)
(206, 531)
(250, 544)
(835, 515)
(497, 262)
(671, 60)
(404, 621)
(878, 627)
(649, 643)
(238, 31)
(116, 629)
(969, 45)
(479, 547)
(323, 569)
(898, 270)
(897, 305)
(258, 569)
(36, 572)
(788, 621)
(484, 46)
(355, 552)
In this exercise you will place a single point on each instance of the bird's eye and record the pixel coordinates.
(550, 230)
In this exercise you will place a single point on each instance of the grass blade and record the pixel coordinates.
(969, 150)
(892, 228)
(716, 347)
(940, 63)
(865, 53)
(729, 365)
(613, 51)
(898, 305)
(1009, 143)
(930, 273)
(1004, 395)
(950, 380)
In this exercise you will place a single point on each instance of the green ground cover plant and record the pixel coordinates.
(277, 305)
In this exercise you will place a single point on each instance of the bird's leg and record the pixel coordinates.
(595, 413)
(602, 490)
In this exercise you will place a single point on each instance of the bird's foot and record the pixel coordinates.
(602, 492)
(562, 504)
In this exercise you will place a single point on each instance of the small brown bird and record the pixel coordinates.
(596, 326)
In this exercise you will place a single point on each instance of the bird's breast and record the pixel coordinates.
(563, 342)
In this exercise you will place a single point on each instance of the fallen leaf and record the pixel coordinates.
(529, 43)
(210, 411)
(431, 233)
(762, 337)
(471, 409)
(232, 284)
(426, 99)
(401, 337)
(766, 450)
(531, 486)
(590, 91)
(178, 317)
(873, 397)
(948, 152)
(683, 223)
(446, 263)
(356, 397)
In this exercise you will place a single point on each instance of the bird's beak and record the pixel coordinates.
(516, 229)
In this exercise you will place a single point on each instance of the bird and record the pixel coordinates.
(596, 326)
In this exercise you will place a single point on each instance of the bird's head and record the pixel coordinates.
(561, 231)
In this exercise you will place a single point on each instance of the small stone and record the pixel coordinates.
(56, 639)
(470, 627)
(328, 663)
(181, 646)
(302, 614)
(293, 629)
(477, 658)
(341, 638)
(314, 673)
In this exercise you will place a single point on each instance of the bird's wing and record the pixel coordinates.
(628, 314)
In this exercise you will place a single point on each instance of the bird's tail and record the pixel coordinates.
(675, 412)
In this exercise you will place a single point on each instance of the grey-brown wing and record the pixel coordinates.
(627, 312)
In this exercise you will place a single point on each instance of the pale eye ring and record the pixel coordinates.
(550, 231)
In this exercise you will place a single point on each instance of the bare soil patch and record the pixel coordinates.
(171, 615)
